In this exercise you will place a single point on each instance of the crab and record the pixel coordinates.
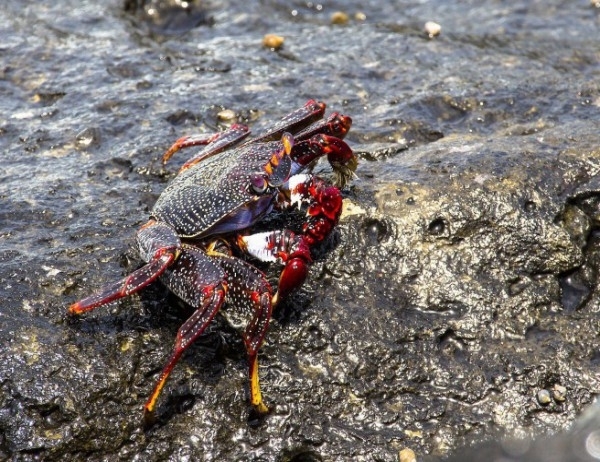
(199, 239)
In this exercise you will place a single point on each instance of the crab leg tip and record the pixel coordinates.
(78, 308)
(149, 417)
(275, 299)
(255, 394)
(288, 142)
(320, 105)
(262, 408)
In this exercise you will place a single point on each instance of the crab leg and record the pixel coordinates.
(335, 125)
(250, 294)
(216, 142)
(294, 121)
(199, 281)
(187, 334)
(159, 246)
(127, 286)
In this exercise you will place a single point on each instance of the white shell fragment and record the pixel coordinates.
(432, 29)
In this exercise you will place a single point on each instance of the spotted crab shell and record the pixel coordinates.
(215, 195)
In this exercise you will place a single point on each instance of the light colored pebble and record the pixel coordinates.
(273, 41)
(432, 29)
(226, 115)
(407, 455)
(543, 397)
(559, 393)
(339, 17)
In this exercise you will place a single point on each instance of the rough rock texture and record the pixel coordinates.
(478, 287)
(580, 444)
(457, 302)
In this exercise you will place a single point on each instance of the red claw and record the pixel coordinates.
(339, 154)
(293, 276)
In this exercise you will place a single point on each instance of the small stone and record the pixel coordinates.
(226, 115)
(543, 397)
(87, 137)
(360, 16)
(273, 41)
(339, 17)
(559, 393)
(407, 455)
(432, 29)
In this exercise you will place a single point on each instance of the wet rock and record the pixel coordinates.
(169, 17)
(462, 279)
(87, 138)
(580, 444)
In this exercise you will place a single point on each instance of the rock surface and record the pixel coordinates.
(457, 302)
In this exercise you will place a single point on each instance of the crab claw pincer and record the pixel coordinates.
(340, 157)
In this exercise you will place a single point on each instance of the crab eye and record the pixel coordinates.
(258, 183)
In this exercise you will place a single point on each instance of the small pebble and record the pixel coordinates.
(432, 29)
(339, 17)
(226, 115)
(543, 397)
(559, 393)
(272, 41)
(86, 137)
(360, 16)
(407, 455)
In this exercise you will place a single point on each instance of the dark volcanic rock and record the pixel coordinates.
(454, 281)
(580, 444)
(457, 302)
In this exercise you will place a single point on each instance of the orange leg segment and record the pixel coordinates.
(187, 334)
(215, 143)
(159, 246)
(250, 295)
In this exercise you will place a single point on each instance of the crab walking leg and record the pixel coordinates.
(250, 297)
(216, 142)
(201, 282)
(336, 125)
(190, 331)
(127, 286)
(159, 246)
(253, 337)
(294, 121)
